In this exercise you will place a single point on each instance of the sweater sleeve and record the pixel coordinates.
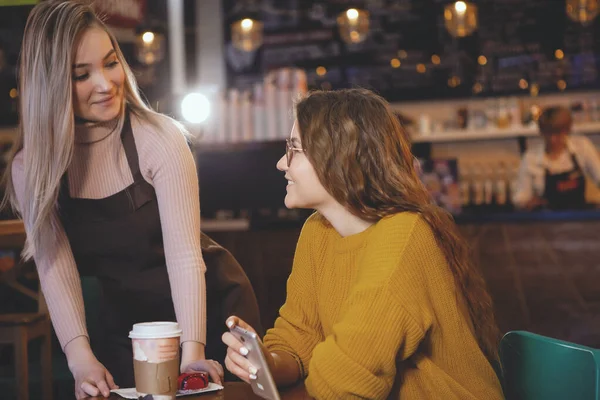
(376, 331)
(168, 163)
(297, 329)
(59, 278)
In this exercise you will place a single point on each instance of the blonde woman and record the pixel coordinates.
(106, 187)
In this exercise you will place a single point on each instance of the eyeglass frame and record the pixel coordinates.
(290, 150)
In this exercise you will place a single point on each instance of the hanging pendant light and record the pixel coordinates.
(247, 34)
(353, 25)
(149, 46)
(460, 18)
(582, 11)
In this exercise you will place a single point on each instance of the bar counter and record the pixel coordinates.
(542, 268)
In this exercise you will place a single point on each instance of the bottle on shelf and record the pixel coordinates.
(465, 185)
(271, 110)
(513, 179)
(284, 101)
(462, 118)
(491, 112)
(514, 111)
(246, 118)
(503, 117)
(235, 126)
(488, 188)
(259, 112)
(501, 188)
(478, 194)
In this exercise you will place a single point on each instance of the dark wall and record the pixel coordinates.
(518, 37)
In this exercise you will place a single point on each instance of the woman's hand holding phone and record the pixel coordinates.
(235, 361)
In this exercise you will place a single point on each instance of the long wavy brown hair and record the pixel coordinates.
(362, 156)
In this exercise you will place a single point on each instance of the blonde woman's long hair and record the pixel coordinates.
(46, 129)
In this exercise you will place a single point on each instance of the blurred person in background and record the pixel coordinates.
(554, 174)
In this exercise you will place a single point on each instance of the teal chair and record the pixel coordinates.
(536, 367)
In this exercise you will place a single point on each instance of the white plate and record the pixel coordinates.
(130, 393)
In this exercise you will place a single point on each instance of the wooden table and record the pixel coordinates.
(235, 391)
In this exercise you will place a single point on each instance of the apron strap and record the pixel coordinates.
(130, 148)
(575, 163)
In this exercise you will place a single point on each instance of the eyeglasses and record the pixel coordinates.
(290, 150)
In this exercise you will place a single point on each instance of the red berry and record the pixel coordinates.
(193, 381)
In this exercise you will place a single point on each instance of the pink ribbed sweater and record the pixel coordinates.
(99, 169)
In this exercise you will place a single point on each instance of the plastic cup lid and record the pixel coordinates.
(155, 330)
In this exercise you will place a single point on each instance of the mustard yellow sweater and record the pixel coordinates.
(374, 315)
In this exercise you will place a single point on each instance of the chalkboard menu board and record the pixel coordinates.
(518, 39)
(12, 24)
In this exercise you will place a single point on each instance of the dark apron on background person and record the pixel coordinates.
(118, 240)
(565, 190)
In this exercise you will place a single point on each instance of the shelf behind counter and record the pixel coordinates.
(445, 136)
(510, 132)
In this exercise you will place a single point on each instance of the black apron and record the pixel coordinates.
(565, 190)
(118, 240)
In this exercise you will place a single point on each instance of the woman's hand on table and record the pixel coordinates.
(92, 379)
(91, 376)
(235, 361)
(193, 360)
(211, 367)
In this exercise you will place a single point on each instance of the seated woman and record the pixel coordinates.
(383, 300)
(554, 175)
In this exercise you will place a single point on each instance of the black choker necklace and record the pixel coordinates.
(81, 121)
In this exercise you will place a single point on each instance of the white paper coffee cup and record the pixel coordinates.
(156, 358)
(155, 330)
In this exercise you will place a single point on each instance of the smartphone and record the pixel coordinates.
(264, 384)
